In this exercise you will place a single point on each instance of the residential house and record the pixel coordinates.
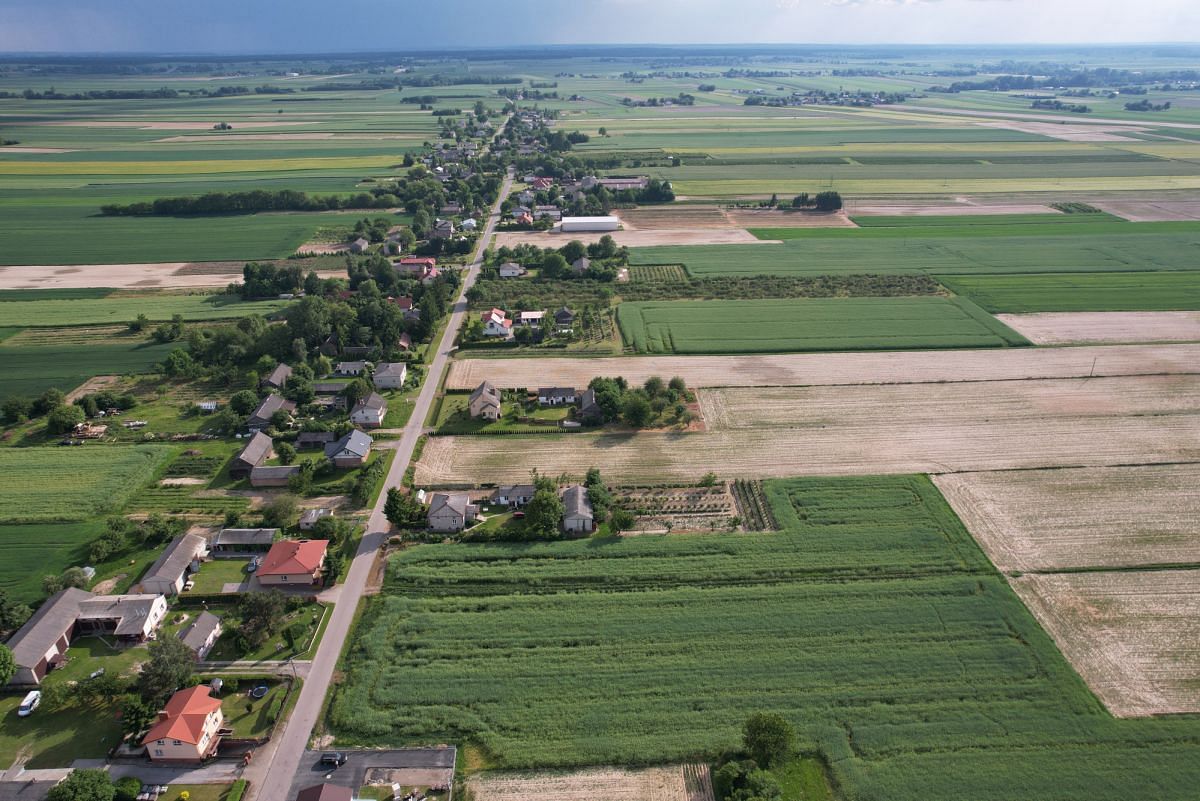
(293, 563)
(556, 396)
(514, 496)
(578, 517)
(496, 324)
(390, 375)
(442, 229)
(41, 644)
(350, 451)
(277, 377)
(349, 369)
(370, 411)
(511, 269)
(314, 440)
(128, 618)
(484, 402)
(564, 320)
(525, 197)
(242, 540)
(530, 319)
(405, 303)
(170, 570)
(469, 224)
(589, 409)
(325, 792)
(202, 634)
(423, 269)
(257, 450)
(309, 518)
(524, 218)
(187, 729)
(581, 265)
(273, 476)
(360, 245)
(547, 213)
(260, 418)
(452, 209)
(451, 511)
(542, 183)
(521, 211)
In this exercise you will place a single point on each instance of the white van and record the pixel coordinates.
(29, 703)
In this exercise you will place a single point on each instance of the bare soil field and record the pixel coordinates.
(323, 248)
(1079, 328)
(293, 137)
(94, 384)
(831, 369)
(1132, 636)
(771, 218)
(865, 430)
(162, 275)
(1150, 210)
(44, 150)
(1070, 133)
(1049, 520)
(674, 217)
(964, 206)
(597, 784)
(635, 238)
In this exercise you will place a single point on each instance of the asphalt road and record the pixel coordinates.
(274, 767)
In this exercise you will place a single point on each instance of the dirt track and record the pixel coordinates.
(1075, 328)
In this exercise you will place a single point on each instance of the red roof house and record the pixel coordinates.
(293, 562)
(186, 729)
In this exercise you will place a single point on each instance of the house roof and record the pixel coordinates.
(350, 367)
(530, 315)
(313, 515)
(325, 792)
(319, 437)
(403, 302)
(405, 340)
(278, 376)
(391, 369)
(374, 401)
(587, 401)
(197, 634)
(556, 392)
(184, 715)
(245, 536)
(575, 502)
(52, 619)
(457, 502)
(293, 556)
(517, 491)
(356, 443)
(130, 611)
(328, 387)
(582, 264)
(564, 315)
(486, 389)
(512, 265)
(415, 261)
(274, 471)
(174, 560)
(271, 404)
(256, 449)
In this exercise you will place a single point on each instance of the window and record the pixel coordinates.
(283, 578)
(176, 742)
(158, 751)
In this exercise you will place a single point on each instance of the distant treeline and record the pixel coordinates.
(1146, 105)
(441, 79)
(162, 93)
(1102, 76)
(1058, 105)
(248, 202)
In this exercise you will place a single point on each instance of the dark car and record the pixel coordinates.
(333, 759)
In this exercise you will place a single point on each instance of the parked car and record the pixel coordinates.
(333, 759)
(252, 565)
(29, 703)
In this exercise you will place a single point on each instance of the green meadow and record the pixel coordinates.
(1142, 291)
(121, 307)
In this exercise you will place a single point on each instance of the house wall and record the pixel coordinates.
(347, 462)
(446, 521)
(163, 586)
(179, 751)
(577, 523)
(389, 382)
(291, 579)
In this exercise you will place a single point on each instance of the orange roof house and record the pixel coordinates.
(293, 562)
(186, 729)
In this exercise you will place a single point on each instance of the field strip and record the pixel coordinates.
(1071, 328)
(597, 784)
(864, 430)
(947, 210)
(1046, 520)
(834, 369)
(1131, 635)
(635, 238)
(161, 275)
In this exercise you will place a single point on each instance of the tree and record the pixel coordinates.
(355, 391)
(12, 614)
(768, 737)
(8, 665)
(573, 251)
(16, 410)
(828, 201)
(63, 419)
(636, 411)
(800, 200)
(170, 668)
(744, 781)
(48, 400)
(620, 520)
(280, 512)
(286, 452)
(93, 784)
(243, 402)
(402, 509)
(677, 385)
(553, 266)
(71, 577)
(136, 715)
(128, 787)
(543, 513)
(654, 386)
(260, 613)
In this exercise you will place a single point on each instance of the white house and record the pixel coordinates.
(496, 324)
(451, 511)
(390, 375)
(511, 270)
(370, 411)
(578, 516)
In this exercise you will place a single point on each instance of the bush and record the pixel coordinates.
(63, 419)
(128, 789)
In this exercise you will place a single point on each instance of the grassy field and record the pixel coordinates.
(872, 621)
(65, 358)
(1140, 291)
(766, 326)
(55, 485)
(34, 550)
(121, 307)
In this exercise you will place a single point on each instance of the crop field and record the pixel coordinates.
(1047, 520)
(1074, 328)
(872, 621)
(122, 307)
(1130, 634)
(764, 326)
(857, 430)
(35, 550)
(36, 488)
(1027, 294)
(669, 783)
(37, 359)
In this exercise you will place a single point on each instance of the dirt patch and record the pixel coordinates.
(1068, 132)
(830, 369)
(964, 207)
(1087, 328)
(107, 586)
(1130, 635)
(634, 239)
(93, 384)
(1098, 517)
(410, 777)
(323, 248)
(117, 276)
(293, 137)
(1150, 210)
(183, 482)
(669, 783)
(771, 218)
(674, 217)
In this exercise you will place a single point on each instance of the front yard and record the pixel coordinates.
(453, 417)
(312, 617)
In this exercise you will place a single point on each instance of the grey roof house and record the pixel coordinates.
(168, 573)
(260, 418)
(202, 634)
(578, 517)
(257, 450)
(349, 451)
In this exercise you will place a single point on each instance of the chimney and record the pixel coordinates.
(162, 715)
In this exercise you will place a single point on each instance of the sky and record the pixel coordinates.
(301, 26)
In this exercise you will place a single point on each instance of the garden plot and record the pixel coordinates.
(667, 509)
(1132, 636)
(1043, 520)
(669, 783)
(1091, 328)
(858, 430)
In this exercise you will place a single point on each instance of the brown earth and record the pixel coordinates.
(93, 384)
(1137, 210)
(154, 125)
(963, 206)
(162, 275)
(770, 218)
(1075, 328)
(594, 784)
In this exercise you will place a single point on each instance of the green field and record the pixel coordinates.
(121, 307)
(872, 621)
(779, 326)
(41, 549)
(32, 366)
(54, 484)
(1147, 291)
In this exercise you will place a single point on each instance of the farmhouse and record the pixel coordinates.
(360, 245)
(442, 229)
(309, 518)
(351, 450)
(530, 319)
(390, 375)
(510, 269)
(469, 224)
(496, 323)
(202, 634)
(370, 411)
(451, 511)
(564, 320)
(277, 377)
(578, 517)
(422, 269)
(513, 496)
(293, 562)
(556, 396)
(314, 440)
(349, 369)
(589, 224)
(484, 402)
(187, 727)
(168, 573)
(260, 418)
(257, 450)
(273, 476)
(41, 643)
(243, 540)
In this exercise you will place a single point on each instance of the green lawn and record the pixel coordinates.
(31, 369)
(780, 326)
(453, 417)
(312, 615)
(804, 779)
(1141, 291)
(216, 573)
